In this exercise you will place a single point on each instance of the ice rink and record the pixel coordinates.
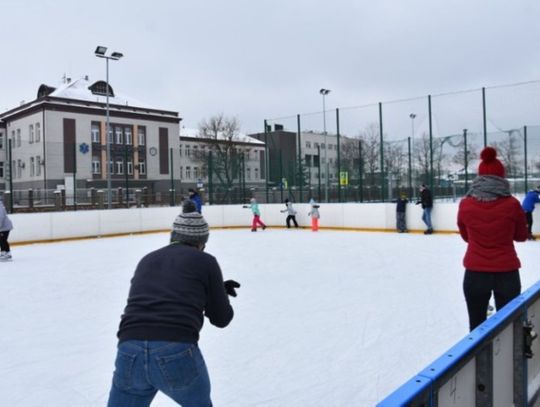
(322, 319)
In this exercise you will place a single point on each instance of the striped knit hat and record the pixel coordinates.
(189, 227)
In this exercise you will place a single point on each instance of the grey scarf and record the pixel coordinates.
(489, 188)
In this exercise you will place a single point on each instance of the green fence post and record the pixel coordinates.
(338, 157)
(466, 160)
(266, 158)
(382, 150)
(430, 146)
(300, 173)
(484, 115)
(525, 152)
(210, 186)
(10, 146)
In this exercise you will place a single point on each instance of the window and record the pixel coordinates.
(38, 165)
(31, 133)
(316, 145)
(128, 135)
(111, 167)
(111, 136)
(181, 172)
(38, 132)
(119, 167)
(1, 141)
(322, 145)
(180, 150)
(1, 169)
(130, 167)
(308, 160)
(256, 173)
(96, 165)
(13, 139)
(141, 135)
(196, 172)
(308, 144)
(32, 168)
(248, 173)
(96, 137)
(142, 167)
(188, 172)
(329, 146)
(188, 151)
(19, 168)
(119, 136)
(18, 137)
(14, 168)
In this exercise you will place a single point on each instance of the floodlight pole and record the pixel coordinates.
(325, 92)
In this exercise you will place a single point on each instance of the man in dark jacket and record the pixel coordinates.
(427, 205)
(171, 292)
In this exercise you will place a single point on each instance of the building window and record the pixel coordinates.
(96, 165)
(1, 169)
(32, 166)
(18, 137)
(19, 168)
(196, 172)
(119, 136)
(141, 135)
(111, 135)
(38, 132)
(13, 142)
(308, 144)
(248, 176)
(142, 167)
(188, 172)
(119, 167)
(38, 165)
(181, 172)
(188, 151)
(130, 167)
(111, 167)
(308, 160)
(14, 168)
(128, 135)
(31, 133)
(1, 141)
(180, 150)
(256, 173)
(96, 136)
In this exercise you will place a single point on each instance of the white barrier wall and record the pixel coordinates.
(377, 216)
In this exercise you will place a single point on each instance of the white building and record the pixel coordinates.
(60, 136)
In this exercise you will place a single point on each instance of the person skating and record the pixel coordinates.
(5, 227)
(196, 198)
(490, 219)
(426, 201)
(291, 214)
(315, 216)
(401, 208)
(254, 206)
(528, 204)
(171, 292)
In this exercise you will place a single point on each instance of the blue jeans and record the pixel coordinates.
(426, 217)
(143, 367)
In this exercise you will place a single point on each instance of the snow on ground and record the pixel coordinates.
(321, 319)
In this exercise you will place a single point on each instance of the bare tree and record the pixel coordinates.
(509, 152)
(221, 135)
(371, 150)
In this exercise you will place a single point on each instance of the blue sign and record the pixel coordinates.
(84, 148)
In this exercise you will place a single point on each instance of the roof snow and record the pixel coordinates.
(239, 137)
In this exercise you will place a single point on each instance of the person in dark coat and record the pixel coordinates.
(528, 204)
(426, 201)
(196, 198)
(401, 208)
(171, 292)
(490, 219)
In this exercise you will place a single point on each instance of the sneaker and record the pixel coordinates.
(428, 232)
(5, 256)
(253, 230)
(264, 227)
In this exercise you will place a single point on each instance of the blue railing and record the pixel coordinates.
(492, 366)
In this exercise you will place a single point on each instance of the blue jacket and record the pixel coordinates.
(196, 198)
(530, 200)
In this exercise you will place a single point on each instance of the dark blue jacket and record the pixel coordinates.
(530, 200)
(196, 198)
(171, 292)
(401, 205)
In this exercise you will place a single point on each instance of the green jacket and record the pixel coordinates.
(255, 209)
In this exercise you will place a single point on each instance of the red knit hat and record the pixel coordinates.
(490, 165)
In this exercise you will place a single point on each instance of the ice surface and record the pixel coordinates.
(322, 319)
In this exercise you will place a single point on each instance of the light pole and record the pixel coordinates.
(325, 92)
(115, 56)
(412, 116)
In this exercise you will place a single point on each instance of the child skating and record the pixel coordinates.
(254, 206)
(291, 214)
(314, 213)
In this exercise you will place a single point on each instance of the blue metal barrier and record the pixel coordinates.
(486, 368)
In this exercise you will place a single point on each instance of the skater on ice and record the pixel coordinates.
(426, 200)
(531, 199)
(5, 227)
(401, 208)
(254, 206)
(490, 219)
(291, 214)
(196, 198)
(314, 214)
(171, 292)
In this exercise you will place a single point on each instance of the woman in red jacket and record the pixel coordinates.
(490, 219)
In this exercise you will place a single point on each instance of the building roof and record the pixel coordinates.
(239, 137)
(80, 89)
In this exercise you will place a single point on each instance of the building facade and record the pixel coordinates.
(58, 141)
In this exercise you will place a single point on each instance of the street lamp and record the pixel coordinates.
(325, 92)
(100, 52)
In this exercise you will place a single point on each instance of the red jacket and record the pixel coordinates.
(490, 229)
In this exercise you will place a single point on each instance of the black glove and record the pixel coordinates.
(230, 286)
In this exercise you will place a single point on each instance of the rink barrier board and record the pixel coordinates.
(485, 368)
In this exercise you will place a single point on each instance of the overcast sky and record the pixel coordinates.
(260, 59)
